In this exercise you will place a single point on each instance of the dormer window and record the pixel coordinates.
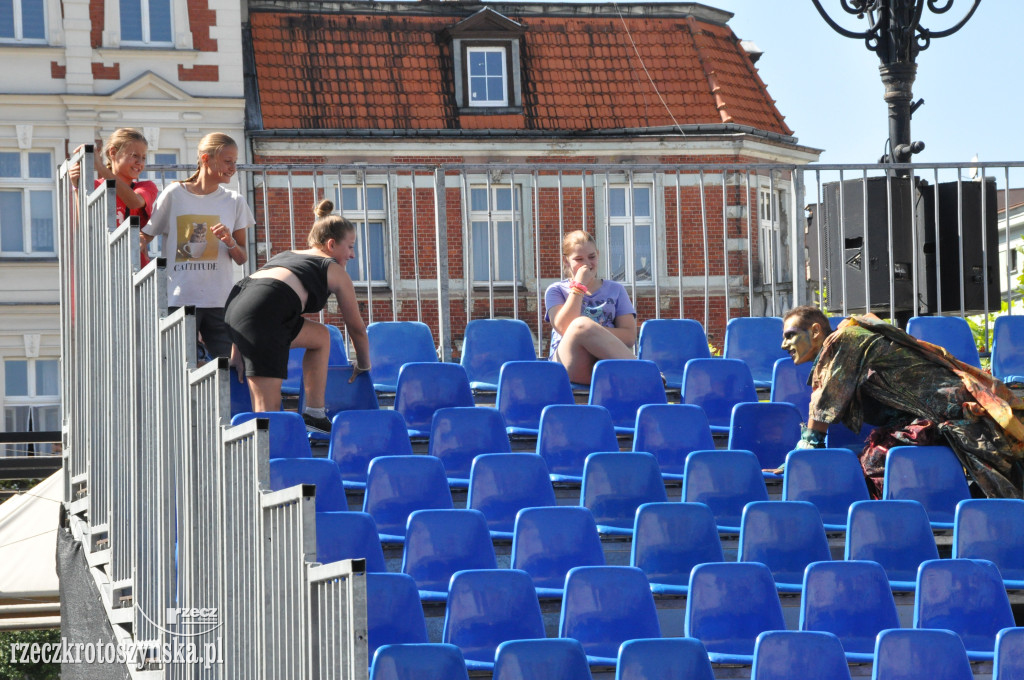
(487, 73)
(485, 51)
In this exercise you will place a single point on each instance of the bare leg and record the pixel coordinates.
(266, 393)
(317, 341)
(585, 343)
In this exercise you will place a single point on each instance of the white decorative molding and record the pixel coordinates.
(24, 136)
(31, 345)
(152, 134)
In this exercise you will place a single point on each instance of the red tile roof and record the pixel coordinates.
(381, 71)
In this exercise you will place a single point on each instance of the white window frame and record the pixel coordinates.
(628, 222)
(25, 185)
(492, 217)
(487, 103)
(360, 216)
(19, 27)
(144, 19)
(181, 32)
(33, 400)
(161, 177)
(768, 234)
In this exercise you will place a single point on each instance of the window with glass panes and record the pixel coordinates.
(768, 220)
(146, 22)
(488, 80)
(164, 177)
(23, 21)
(31, 401)
(496, 225)
(630, 233)
(26, 203)
(366, 209)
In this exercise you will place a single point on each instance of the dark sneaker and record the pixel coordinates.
(314, 424)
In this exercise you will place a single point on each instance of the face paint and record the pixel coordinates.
(799, 342)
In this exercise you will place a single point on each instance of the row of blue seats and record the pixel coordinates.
(778, 655)
(729, 604)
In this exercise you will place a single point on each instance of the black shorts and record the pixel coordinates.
(264, 316)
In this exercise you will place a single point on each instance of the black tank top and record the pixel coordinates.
(312, 273)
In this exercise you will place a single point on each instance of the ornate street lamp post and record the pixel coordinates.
(895, 33)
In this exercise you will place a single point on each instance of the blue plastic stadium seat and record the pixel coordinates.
(725, 481)
(525, 388)
(396, 616)
(850, 599)
(950, 332)
(769, 430)
(357, 437)
(502, 484)
(832, 479)
(241, 398)
(1008, 348)
(896, 534)
(664, 659)
(669, 540)
(346, 536)
(624, 385)
(669, 432)
(488, 344)
(716, 385)
(841, 437)
(835, 320)
(789, 384)
(920, 655)
(324, 474)
(439, 543)
(670, 343)
(930, 475)
(568, 434)
(992, 529)
(394, 343)
(287, 433)
(786, 654)
(423, 388)
(396, 486)
(549, 542)
(292, 385)
(459, 434)
(729, 605)
(966, 597)
(616, 484)
(604, 607)
(757, 341)
(786, 536)
(553, 659)
(1009, 656)
(418, 662)
(487, 607)
(340, 395)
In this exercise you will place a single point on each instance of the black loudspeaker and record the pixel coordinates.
(980, 246)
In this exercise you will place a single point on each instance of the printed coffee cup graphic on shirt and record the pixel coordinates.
(195, 240)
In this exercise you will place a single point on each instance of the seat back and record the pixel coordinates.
(605, 606)
(1008, 346)
(769, 430)
(459, 434)
(1009, 656)
(502, 484)
(832, 479)
(756, 341)
(568, 434)
(423, 388)
(324, 474)
(965, 596)
(439, 543)
(725, 481)
(841, 437)
(669, 432)
(730, 604)
(716, 385)
(489, 606)
(396, 616)
(526, 387)
(663, 658)
(396, 486)
(850, 599)
(241, 398)
(670, 539)
(896, 534)
(548, 542)
(786, 654)
(616, 484)
(670, 343)
(346, 536)
(489, 343)
(991, 529)
(552, 659)
(784, 535)
(342, 395)
(293, 383)
(287, 433)
(789, 384)
(393, 343)
(357, 437)
(623, 386)
(418, 662)
(930, 475)
(931, 654)
(950, 332)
